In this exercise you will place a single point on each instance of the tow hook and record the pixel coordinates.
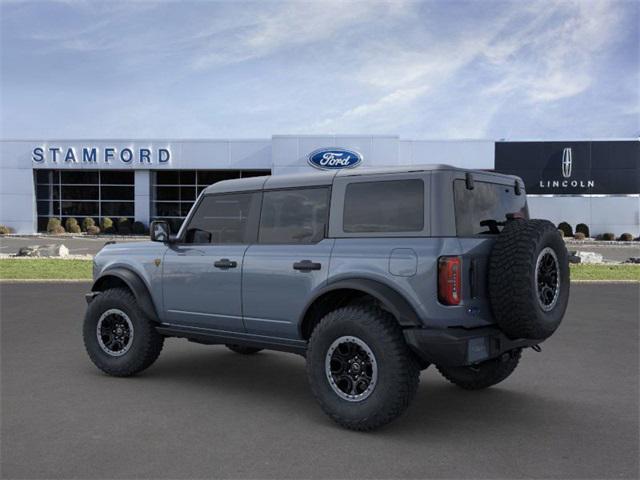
(536, 348)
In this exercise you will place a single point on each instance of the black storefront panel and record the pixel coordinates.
(589, 167)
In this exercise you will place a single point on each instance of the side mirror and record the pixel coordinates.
(159, 231)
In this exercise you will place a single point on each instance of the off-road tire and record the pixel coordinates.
(145, 346)
(242, 349)
(398, 372)
(513, 291)
(483, 375)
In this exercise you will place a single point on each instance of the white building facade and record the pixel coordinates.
(142, 180)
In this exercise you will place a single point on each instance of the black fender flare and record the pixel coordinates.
(393, 301)
(135, 284)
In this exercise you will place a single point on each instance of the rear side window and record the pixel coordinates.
(384, 206)
(486, 202)
(295, 216)
(221, 219)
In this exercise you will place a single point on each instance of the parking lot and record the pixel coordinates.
(201, 411)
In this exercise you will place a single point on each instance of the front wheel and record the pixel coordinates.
(484, 375)
(119, 338)
(359, 367)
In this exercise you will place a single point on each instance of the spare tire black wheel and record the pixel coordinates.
(529, 279)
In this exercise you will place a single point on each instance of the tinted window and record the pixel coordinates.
(487, 201)
(221, 219)
(294, 216)
(389, 206)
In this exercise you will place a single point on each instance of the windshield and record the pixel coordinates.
(484, 209)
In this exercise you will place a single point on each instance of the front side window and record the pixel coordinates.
(222, 219)
(384, 206)
(295, 216)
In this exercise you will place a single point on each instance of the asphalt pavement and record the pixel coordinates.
(203, 411)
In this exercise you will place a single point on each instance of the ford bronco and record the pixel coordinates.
(372, 275)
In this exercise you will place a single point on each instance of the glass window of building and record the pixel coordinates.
(79, 194)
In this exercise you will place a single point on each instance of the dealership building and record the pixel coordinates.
(596, 182)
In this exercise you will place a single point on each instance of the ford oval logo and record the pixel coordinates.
(334, 158)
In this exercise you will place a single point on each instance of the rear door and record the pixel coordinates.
(290, 260)
(202, 274)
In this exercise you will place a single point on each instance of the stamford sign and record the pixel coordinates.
(334, 158)
(95, 155)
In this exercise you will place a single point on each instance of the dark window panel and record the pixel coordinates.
(209, 177)
(187, 177)
(168, 178)
(294, 216)
(56, 192)
(167, 209)
(70, 177)
(384, 206)
(43, 208)
(80, 209)
(117, 178)
(43, 176)
(43, 191)
(56, 208)
(80, 192)
(187, 193)
(117, 193)
(117, 209)
(200, 189)
(168, 193)
(255, 173)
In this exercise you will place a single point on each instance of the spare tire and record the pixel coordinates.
(529, 279)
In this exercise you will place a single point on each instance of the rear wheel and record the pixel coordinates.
(483, 375)
(241, 349)
(119, 338)
(359, 367)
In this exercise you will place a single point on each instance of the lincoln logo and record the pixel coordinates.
(567, 167)
(567, 160)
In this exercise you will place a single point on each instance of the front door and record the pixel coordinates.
(290, 260)
(202, 272)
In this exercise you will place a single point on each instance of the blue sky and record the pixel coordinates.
(423, 70)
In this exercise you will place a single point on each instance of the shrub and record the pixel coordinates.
(138, 228)
(579, 236)
(88, 222)
(583, 228)
(4, 229)
(57, 230)
(93, 230)
(566, 228)
(107, 225)
(608, 236)
(52, 224)
(626, 237)
(124, 226)
(71, 225)
(561, 233)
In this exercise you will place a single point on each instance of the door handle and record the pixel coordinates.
(225, 263)
(306, 265)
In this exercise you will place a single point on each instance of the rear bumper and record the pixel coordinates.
(454, 347)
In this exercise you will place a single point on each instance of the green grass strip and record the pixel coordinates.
(605, 272)
(44, 269)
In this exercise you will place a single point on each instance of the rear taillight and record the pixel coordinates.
(449, 280)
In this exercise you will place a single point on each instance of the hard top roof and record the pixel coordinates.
(320, 178)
